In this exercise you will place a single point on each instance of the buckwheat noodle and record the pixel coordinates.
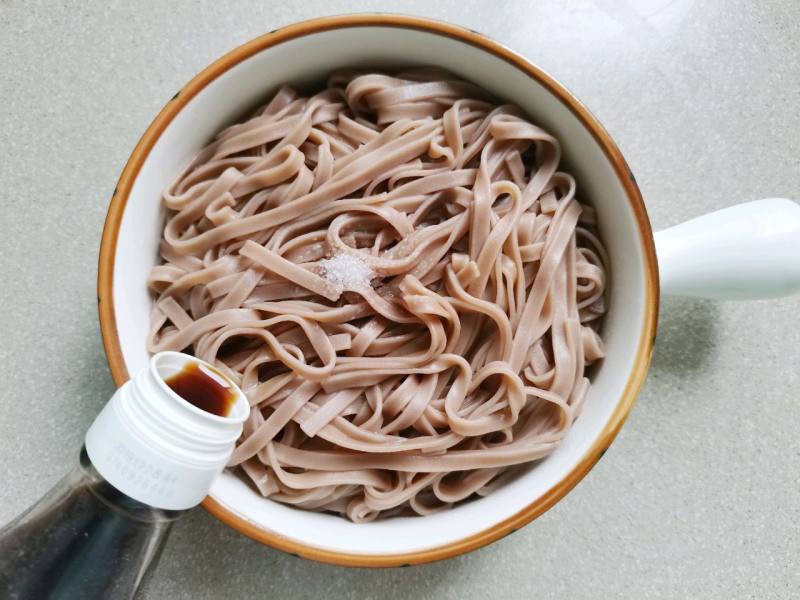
(400, 279)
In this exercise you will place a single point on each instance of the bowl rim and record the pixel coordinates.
(639, 369)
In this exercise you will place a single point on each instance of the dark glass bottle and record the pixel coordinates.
(151, 454)
(83, 539)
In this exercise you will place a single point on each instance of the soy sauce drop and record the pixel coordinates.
(203, 388)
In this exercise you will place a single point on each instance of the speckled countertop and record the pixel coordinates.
(700, 494)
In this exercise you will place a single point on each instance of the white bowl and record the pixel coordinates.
(303, 54)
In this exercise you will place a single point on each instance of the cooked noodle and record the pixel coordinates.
(401, 281)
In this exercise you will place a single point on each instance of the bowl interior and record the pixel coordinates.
(304, 61)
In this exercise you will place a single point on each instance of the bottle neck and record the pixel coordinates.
(115, 499)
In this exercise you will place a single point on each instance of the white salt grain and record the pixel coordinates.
(347, 272)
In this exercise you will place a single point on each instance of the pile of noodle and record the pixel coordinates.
(401, 281)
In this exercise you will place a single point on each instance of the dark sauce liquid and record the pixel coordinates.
(207, 390)
(84, 540)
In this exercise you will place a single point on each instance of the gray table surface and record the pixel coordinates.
(700, 494)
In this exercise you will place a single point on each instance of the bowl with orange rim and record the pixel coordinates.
(305, 53)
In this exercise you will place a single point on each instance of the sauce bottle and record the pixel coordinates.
(151, 454)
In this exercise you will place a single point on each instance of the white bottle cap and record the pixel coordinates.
(156, 447)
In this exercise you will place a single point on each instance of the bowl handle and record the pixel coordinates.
(745, 252)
